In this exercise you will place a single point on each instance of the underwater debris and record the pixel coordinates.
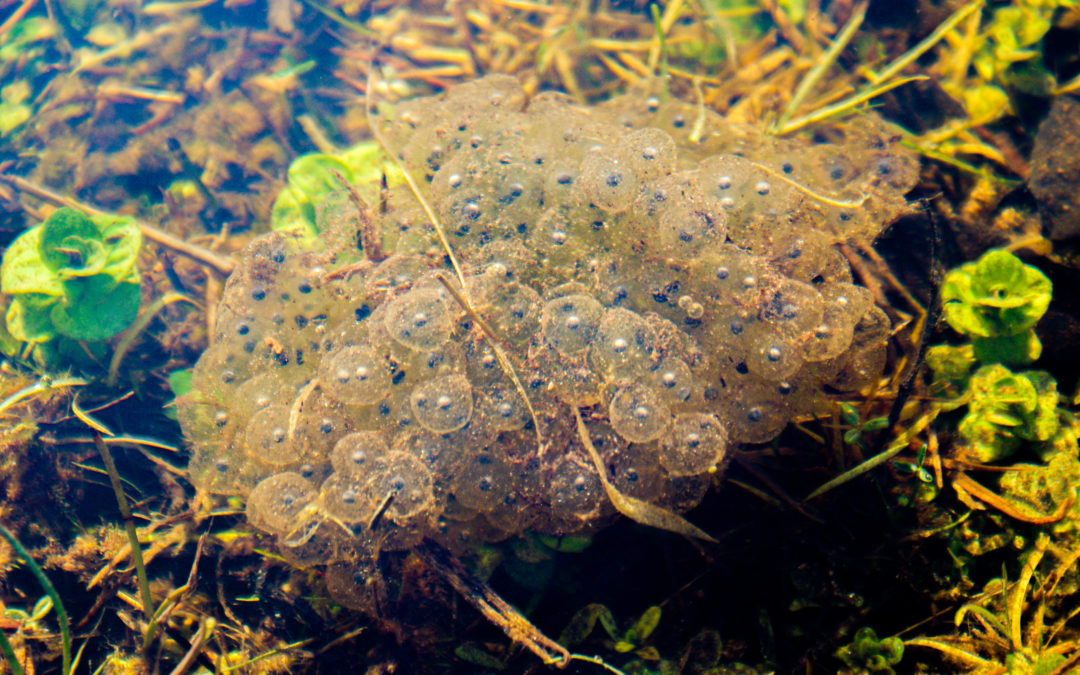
(671, 278)
(1053, 165)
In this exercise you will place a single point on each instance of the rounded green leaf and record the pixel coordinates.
(27, 317)
(65, 243)
(122, 240)
(312, 176)
(97, 317)
(644, 626)
(23, 270)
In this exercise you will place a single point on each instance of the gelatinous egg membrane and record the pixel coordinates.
(671, 275)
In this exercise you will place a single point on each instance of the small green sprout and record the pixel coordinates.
(312, 179)
(867, 653)
(72, 276)
(996, 301)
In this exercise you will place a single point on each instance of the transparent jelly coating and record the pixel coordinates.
(357, 374)
(574, 491)
(569, 324)
(650, 152)
(355, 454)
(404, 484)
(638, 414)
(420, 319)
(266, 437)
(624, 346)
(278, 501)
(608, 180)
(443, 404)
(672, 276)
(696, 443)
(484, 480)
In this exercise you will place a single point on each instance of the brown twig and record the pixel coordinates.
(493, 607)
(220, 264)
(963, 482)
(370, 240)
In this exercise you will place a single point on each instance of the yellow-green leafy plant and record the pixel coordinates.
(315, 176)
(996, 302)
(72, 276)
(868, 653)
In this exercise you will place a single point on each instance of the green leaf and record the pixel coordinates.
(13, 115)
(950, 363)
(180, 382)
(41, 608)
(996, 386)
(28, 317)
(312, 176)
(986, 103)
(123, 240)
(1042, 423)
(995, 296)
(644, 626)
(1008, 408)
(868, 653)
(23, 270)
(583, 622)
(1009, 350)
(97, 317)
(9, 345)
(66, 243)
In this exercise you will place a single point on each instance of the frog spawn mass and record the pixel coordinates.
(670, 275)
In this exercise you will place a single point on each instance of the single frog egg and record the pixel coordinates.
(277, 503)
(624, 346)
(406, 483)
(420, 319)
(504, 408)
(443, 404)
(673, 380)
(650, 153)
(638, 414)
(356, 375)
(574, 491)
(354, 453)
(697, 442)
(569, 323)
(609, 182)
(484, 481)
(346, 498)
(266, 437)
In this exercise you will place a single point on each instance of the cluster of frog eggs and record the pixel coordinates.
(680, 299)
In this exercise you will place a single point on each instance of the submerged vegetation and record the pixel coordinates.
(143, 147)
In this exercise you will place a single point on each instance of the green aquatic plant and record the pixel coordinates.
(633, 639)
(1007, 409)
(73, 276)
(55, 602)
(1009, 48)
(315, 176)
(996, 301)
(868, 653)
